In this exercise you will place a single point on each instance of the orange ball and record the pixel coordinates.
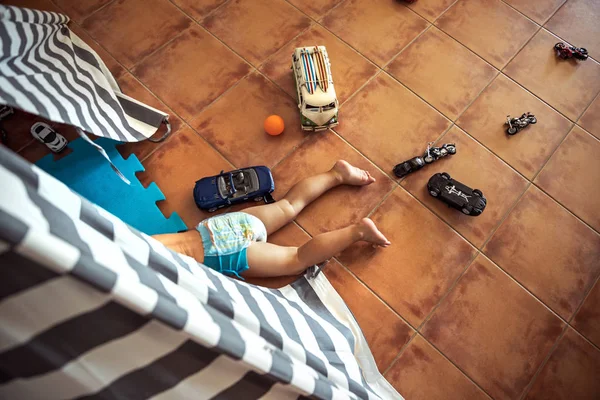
(274, 125)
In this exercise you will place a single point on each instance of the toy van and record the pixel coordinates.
(317, 100)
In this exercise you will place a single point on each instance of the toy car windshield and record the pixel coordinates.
(237, 184)
(50, 135)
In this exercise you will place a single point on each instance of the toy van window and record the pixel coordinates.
(329, 106)
(311, 107)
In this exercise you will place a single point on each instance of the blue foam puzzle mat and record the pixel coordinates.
(86, 172)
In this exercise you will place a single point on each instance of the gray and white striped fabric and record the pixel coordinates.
(45, 69)
(92, 308)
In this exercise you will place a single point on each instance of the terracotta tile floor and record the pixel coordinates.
(501, 306)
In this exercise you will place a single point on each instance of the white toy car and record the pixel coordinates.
(317, 100)
(45, 134)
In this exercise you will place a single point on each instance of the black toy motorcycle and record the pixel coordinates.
(516, 124)
(416, 163)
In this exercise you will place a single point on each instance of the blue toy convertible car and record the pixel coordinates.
(229, 188)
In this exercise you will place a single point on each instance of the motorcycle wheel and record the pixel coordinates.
(532, 120)
(511, 131)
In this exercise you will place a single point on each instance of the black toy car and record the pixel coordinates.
(416, 163)
(565, 51)
(516, 124)
(456, 195)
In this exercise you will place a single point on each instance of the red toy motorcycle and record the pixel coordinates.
(565, 51)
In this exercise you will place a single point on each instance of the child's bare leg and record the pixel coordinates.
(269, 260)
(276, 215)
(188, 243)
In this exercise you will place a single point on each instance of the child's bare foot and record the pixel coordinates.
(351, 175)
(371, 234)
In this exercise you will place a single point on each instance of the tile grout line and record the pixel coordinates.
(522, 13)
(545, 102)
(597, 61)
(450, 290)
(586, 131)
(553, 13)
(208, 14)
(391, 60)
(155, 51)
(188, 123)
(457, 367)
(385, 197)
(552, 155)
(305, 139)
(212, 34)
(521, 49)
(587, 295)
(375, 294)
(318, 22)
(536, 96)
(418, 330)
(102, 7)
(553, 349)
(440, 137)
(379, 71)
(580, 219)
(552, 197)
(538, 371)
(343, 139)
(272, 56)
(586, 110)
(505, 217)
(322, 16)
(444, 12)
(413, 335)
(524, 288)
(560, 37)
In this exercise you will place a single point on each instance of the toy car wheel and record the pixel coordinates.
(511, 131)
(434, 193)
(445, 175)
(477, 192)
(466, 211)
(259, 198)
(212, 210)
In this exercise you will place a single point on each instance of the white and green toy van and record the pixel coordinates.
(317, 101)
